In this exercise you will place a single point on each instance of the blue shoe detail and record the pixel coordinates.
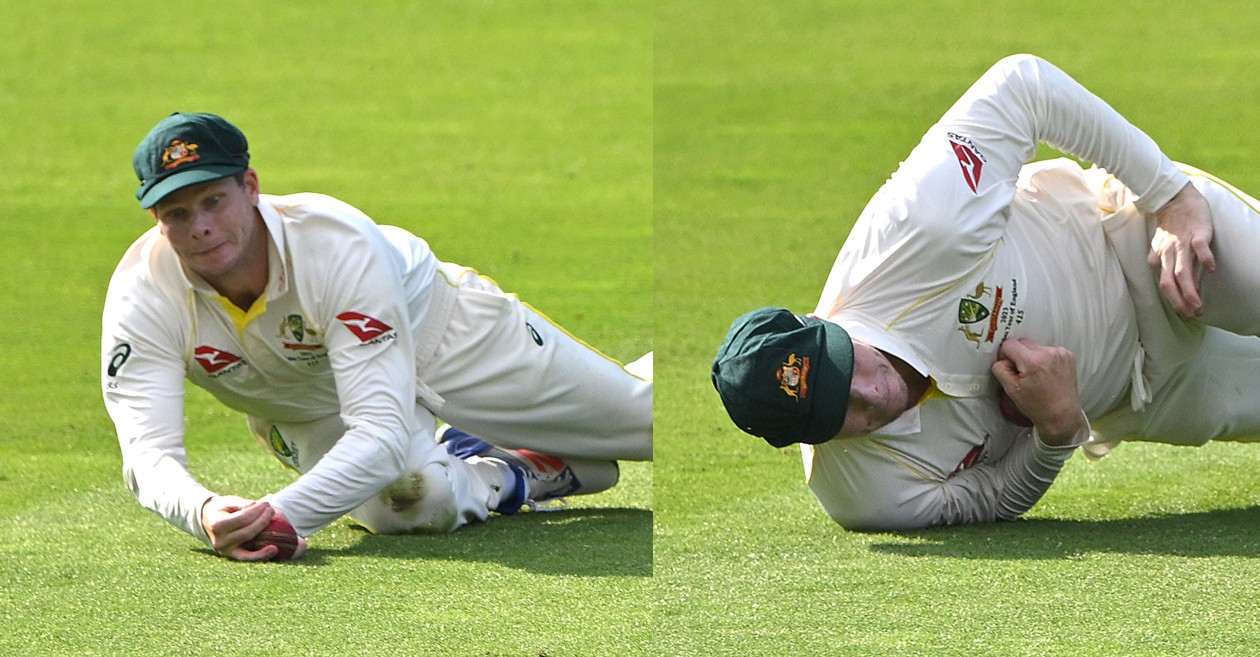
(537, 477)
(463, 445)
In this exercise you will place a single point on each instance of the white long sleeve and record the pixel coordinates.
(965, 246)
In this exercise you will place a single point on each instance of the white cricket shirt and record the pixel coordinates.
(347, 306)
(963, 247)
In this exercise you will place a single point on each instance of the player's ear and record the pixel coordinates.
(250, 180)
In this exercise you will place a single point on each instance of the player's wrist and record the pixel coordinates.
(1068, 431)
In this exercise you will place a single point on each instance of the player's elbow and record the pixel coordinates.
(1018, 60)
(130, 479)
(868, 522)
(871, 515)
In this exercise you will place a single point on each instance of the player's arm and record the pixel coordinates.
(1182, 248)
(1041, 381)
(876, 487)
(142, 382)
(1024, 100)
(362, 306)
(232, 522)
(880, 488)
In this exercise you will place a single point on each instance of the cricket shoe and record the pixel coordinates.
(538, 477)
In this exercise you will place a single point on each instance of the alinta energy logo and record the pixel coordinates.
(216, 362)
(368, 329)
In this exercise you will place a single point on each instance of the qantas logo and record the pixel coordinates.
(976, 455)
(969, 158)
(215, 361)
(367, 329)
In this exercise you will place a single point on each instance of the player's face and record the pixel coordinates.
(212, 226)
(877, 395)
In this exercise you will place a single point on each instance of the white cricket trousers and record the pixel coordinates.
(1207, 371)
(507, 374)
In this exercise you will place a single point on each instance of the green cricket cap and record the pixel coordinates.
(785, 377)
(187, 149)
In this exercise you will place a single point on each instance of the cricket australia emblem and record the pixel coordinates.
(301, 341)
(987, 314)
(179, 152)
(793, 377)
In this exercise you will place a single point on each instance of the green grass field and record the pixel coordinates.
(514, 137)
(775, 122)
(642, 172)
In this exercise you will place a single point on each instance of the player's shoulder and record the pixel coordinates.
(147, 262)
(317, 225)
(147, 285)
(314, 208)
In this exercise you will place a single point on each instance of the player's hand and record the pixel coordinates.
(1181, 248)
(1041, 381)
(301, 542)
(231, 521)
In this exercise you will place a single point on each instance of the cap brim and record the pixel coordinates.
(834, 377)
(186, 178)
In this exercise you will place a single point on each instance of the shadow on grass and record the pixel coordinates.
(1222, 532)
(575, 542)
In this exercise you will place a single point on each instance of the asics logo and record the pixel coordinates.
(117, 357)
(364, 327)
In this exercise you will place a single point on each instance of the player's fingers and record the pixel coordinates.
(1186, 278)
(1018, 351)
(1168, 285)
(300, 549)
(242, 526)
(1203, 251)
(264, 553)
(1006, 373)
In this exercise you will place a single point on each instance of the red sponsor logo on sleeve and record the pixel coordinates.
(214, 360)
(364, 327)
(969, 158)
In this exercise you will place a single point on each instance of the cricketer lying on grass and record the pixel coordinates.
(343, 342)
(972, 275)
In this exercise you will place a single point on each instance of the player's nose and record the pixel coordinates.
(201, 224)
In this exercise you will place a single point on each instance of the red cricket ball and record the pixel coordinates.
(1011, 412)
(279, 533)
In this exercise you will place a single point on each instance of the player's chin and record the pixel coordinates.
(884, 419)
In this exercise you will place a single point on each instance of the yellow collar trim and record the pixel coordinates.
(241, 318)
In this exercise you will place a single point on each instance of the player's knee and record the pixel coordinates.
(422, 501)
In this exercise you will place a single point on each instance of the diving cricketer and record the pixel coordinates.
(989, 315)
(342, 342)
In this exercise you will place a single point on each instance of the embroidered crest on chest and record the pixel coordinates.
(987, 313)
(301, 340)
